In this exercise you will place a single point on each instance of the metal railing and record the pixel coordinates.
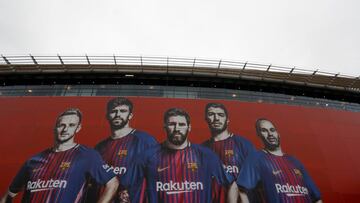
(173, 92)
(168, 65)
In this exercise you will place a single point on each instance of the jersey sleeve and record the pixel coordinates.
(20, 179)
(249, 174)
(151, 141)
(246, 148)
(99, 170)
(249, 147)
(217, 169)
(145, 141)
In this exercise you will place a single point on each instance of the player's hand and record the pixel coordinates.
(3, 199)
(6, 199)
(124, 196)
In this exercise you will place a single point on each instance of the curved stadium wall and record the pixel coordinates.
(315, 113)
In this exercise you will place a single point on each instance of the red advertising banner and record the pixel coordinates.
(325, 141)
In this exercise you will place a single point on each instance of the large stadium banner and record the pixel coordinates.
(78, 149)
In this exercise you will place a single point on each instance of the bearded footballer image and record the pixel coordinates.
(282, 177)
(123, 145)
(177, 170)
(232, 149)
(58, 174)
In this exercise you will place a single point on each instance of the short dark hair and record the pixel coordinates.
(118, 101)
(71, 111)
(215, 105)
(176, 112)
(257, 124)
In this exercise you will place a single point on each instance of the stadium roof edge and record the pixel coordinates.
(29, 64)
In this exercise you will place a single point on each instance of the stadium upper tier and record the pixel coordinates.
(177, 66)
(30, 70)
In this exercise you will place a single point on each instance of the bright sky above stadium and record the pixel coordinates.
(322, 34)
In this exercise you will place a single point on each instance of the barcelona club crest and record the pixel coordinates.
(192, 166)
(122, 153)
(297, 172)
(229, 152)
(64, 165)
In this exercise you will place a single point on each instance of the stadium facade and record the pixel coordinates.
(316, 113)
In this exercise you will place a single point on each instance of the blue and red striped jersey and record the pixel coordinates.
(283, 178)
(60, 176)
(176, 175)
(232, 152)
(119, 153)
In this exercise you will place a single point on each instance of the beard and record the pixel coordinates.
(271, 146)
(177, 138)
(122, 124)
(219, 129)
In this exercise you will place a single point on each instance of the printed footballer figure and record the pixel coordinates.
(59, 174)
(123, 145)
(176, 170)
(283, 178)
(232, 149)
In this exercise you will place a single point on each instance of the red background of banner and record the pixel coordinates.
(326, 141)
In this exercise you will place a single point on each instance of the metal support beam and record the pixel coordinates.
(193, 67)
(167, 61)
(310, 77)
(142, 67)
(33, 59)
(333, 79)
(115, 60)
(36, 63)
(8, 63)
(244, 65)
(268, 68)
(218, 68)
(292, 70)
(61, 61)
(289, 74)
(243, 68)
(6, 60)
(87, 59)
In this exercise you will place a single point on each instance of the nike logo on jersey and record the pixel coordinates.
(276, 172)
(37, 169)
(162, 169)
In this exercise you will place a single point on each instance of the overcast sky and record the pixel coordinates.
(311, 34)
